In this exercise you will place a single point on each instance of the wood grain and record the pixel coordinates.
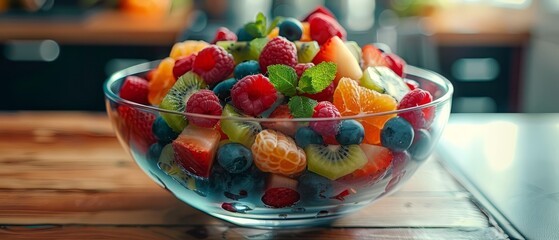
(69, 170)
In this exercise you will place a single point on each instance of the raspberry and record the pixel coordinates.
(278, 51)
(280, 197)
(419, 118)
(224, 34)
(324, 27)
(135, 89)
(213, 64)
(203, 102)
(183, 65)
(411, 84)
(253, 94)
(301, 67)
(325, 109)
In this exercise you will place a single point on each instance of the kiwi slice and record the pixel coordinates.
(243, 132)
(176, 98)
(354, 49)
(306, 51)
(334, 161)
(371, 80)
(394, 84)
(244, 51)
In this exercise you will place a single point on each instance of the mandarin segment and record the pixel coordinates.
(161, 82)
(186, 48)
(352, 99)
(277, 153)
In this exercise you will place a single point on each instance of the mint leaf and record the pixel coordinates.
(317, 78)
(274, 24)
(301, 107)
(284, 79)
(257, 28)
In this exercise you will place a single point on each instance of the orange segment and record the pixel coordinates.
(306, 37)
(184, 49)
(277, 153)
(352, 99)
(162, 81)
(274, 33)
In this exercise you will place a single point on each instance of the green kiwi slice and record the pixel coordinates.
(244, 51)
(383, 80)
(306, 51)
(243, 132)
(334, 161)
(176, 98)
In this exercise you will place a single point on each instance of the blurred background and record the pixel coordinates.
(501, 55)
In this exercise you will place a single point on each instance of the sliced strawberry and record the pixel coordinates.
(287, 127)
(139, 125)
(379, 159)
(396, 63)
(135, 89)
(195, 149)
(334, 50)
(324, 27)
(183, 65)
(372, 56)
(319, 9)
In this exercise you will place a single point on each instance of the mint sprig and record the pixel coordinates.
(257, 28)
(301, 107)
(317, 78)
(284, 79)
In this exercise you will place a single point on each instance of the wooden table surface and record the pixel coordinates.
(63, 175)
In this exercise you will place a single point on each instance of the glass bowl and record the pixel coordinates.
(238, 197)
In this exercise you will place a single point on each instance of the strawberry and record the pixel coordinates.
(280, 191)
(287, 127)
(323, 27)
(195, 149)
(372, 56)
(135, 89)
(139, 124)
(396, 63)
(379, 159)
(334, 50)
(319, 9)
(183, 65)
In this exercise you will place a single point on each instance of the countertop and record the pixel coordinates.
(63, 175)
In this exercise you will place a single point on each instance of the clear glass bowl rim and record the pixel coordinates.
(436, 78)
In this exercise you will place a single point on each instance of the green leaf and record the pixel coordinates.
(317, 78)
(284, 79)
(274, 24)
(301, 107)
(257, 29)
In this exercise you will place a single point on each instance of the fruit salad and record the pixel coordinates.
(279, 114)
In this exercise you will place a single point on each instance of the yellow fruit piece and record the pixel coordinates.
(161, 82)
(275, 152)
(184, 49)
(306, 37)
(352, 99)
(274, 33)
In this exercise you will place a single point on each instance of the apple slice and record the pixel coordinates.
(334, 50)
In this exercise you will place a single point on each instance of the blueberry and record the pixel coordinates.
(163, 133)
(421, 146)
(243, 35)
(350, 132)
(223, 90)
(154, 151)
(291, 29)
(397, 134)
(305, 136)
(244, 69)
(234, 157)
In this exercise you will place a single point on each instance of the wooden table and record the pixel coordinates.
(63, 175)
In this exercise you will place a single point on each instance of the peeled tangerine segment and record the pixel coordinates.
(334, 161)
(186, 48)
(239, 131)
(162, 80)
(384, 80)
(275, 152)
(176, 98)
(352, 99)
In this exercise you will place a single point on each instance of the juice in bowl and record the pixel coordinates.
(285, 124)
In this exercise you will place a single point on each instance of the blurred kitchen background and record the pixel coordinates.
(501, 55)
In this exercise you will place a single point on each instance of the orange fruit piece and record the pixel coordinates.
(352, 99)
(275, 152)
(274, 33)
(306, 37)
(162, 81)
(186, 48)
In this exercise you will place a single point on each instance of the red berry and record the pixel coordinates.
(278, 51)
(287, 127)
(396, 63)
(138, 124)
(280, 197)
(324, 95)
(319, 9)
(224, 34)
(301, 67)
(213, 64)
(411, 84)
(372, 56)
(324, 27)
(253, 94)
(418, 118)
(135, 89)
(183, 65)
(203, 102)
(325, 109)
